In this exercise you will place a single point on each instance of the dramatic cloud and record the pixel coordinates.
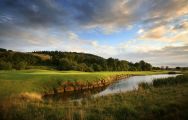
(121, 13)
(102, 13)
(128, 26)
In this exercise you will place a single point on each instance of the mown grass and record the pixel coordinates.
(41, 81)
(161, 102)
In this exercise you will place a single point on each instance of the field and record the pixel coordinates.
(165, 99)
(40, 81)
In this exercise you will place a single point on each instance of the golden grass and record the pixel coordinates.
(30, 96)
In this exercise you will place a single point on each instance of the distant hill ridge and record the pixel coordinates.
(66, 61)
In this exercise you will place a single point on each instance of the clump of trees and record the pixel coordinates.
(5, 65)
(182, 68)
(89, 62)
(67, 61)
(16, 60)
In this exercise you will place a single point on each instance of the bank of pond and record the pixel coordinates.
(119, 84)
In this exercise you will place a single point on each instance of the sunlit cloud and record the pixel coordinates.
(125, 29)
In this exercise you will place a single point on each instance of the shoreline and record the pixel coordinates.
(78, 86)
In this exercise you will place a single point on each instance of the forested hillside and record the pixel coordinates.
(66, 61)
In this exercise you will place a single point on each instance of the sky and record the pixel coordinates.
(152, 30)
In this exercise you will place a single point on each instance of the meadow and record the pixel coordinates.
(164, 99)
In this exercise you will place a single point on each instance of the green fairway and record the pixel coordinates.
(64, 75)
(40, 81)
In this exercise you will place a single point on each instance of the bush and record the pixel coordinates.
(5, 65)
(20, 66)
(3, 50)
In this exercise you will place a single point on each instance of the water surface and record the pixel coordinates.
(131, 83)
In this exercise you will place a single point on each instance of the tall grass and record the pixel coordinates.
(167, 100)
(180, 79)
(170, 81)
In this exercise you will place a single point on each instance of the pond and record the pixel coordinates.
(117, 87)
(131, 83)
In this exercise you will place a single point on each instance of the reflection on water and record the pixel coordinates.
(131, 83)
(117, 87)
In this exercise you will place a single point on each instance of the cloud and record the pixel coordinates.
(44, 39)
(174, 32)
(155, 33)
(55, 24)
(33, 12)
(121, 13)
(95, 13)
(152, 52)
(169, 55)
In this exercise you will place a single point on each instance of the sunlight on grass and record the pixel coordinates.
(15, 82)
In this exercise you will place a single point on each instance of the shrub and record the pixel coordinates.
(5, 65)
(20, 65)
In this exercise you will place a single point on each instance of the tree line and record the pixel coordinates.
(67, 61)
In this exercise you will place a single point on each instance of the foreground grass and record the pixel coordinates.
(41, 81)
(164, 101)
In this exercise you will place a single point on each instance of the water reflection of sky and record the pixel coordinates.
(131, 83)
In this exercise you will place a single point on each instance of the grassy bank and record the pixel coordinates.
(41, 81)
(161, 101)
